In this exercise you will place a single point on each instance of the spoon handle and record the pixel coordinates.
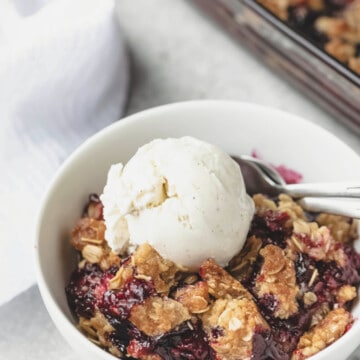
(336, 206)
(346, 190)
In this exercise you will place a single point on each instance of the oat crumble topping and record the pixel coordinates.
(333, 25)
(287, 295)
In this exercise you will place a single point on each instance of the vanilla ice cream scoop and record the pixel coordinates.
(184, 197)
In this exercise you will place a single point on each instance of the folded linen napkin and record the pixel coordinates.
(63, 76)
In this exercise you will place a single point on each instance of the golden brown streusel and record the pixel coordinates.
(166, 300)
(330, 26)
(277, 278)
(158, 315)
(316, 5)
(124, 274)
(323, 334)
(315, 241)
(342, 229)
(194, 297)
(340, 27)
(288, 205)
(97, 328)
(109, 260)
(343, 32)
(346, 293)
(241, 265)
(88, 231)
(309, 298)
(220, 282)
(88, 237)
(340, 49)
(236, 321)
(92, 253)
(263, 203)
(149, 263)
(352, 16)
(280, 7)
(285, 204)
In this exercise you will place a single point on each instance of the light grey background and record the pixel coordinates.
(177, 54)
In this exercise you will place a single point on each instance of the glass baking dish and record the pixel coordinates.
(320, 76)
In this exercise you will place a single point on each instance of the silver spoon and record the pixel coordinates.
(259, 177)
(334, 198)
(269, 181)
(337, 206)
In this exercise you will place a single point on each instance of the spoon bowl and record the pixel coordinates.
(259, 178)
(335, 198)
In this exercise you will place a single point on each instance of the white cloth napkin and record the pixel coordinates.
(63, 76)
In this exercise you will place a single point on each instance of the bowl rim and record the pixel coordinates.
(61, 321)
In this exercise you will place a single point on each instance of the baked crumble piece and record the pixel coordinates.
(220, 282)
(287, 295)
(149, 264)
(158, 315)
(195, 297)
(317, 242)
(230, 325)
(323, 334)
(333, 25)
(277, 279)
(343, 229)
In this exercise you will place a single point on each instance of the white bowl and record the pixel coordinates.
(236, 127)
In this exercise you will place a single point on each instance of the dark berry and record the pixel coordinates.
(188, 342)
(265, 348)
(86, 288)
(117, 304)
(268, 304)
(217, 332)
(304, 267)
(286, 332)
(270, 227)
